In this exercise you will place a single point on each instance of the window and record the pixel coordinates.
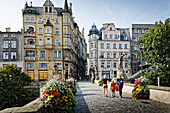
(48, 29)
(46, 9)
(135, 39)
(105, 36)
(68, 31)
(68, 20)
(108, 64)
(59, 54)
(40, 30)
(40, 42)
(5, 55)
(126, 56)
(95, 44)
(108, 46)
(111, 36)
(56, 20)
(32, 19)
(5, 35)
(65, 31)
(65, 41)
(55, 54)
(102, 55)
(13, 55)
(13, 35)
(66, 55)
(30, 65)
(48, 41)
(48, 19)
(135, 56)
(42, 54)
(126, 65)
(136, 30)
(57, 42)
(68, 42)
(91, 45)
(66, 65)
(120, 46)
(50, 9)
(43, 65)
(143, 30)
(57, 31)
(30, 53)
(136, 48)
(59, 65)
(13, 44)
(116, 36)
(95, 54)
(91, 65)
(102, 45)
(40, 20)
(114, 46)
(114, 55)
(5, 44)
(65, 19)
(110, 28)
(91, 55)
(108, 55)
(115, 65)
(102, 64)
(27, 19)
(126, 46)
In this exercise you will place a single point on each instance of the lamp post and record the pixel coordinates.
(141, 46)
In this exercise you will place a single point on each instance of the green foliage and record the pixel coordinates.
(100, 82)
(157, 51)
(12, 91)
(92, 80)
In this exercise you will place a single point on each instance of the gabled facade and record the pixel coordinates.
(51, 37)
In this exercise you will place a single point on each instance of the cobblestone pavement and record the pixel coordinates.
(89, 99)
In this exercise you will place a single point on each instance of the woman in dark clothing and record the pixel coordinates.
(105, 81)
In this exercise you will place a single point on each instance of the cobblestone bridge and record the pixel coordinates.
(89, 99)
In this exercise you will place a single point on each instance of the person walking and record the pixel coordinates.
(112, 87)
(105, 82)
(120, 82)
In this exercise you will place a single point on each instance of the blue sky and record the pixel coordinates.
(121, 12)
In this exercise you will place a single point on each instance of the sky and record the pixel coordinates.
(122, 13)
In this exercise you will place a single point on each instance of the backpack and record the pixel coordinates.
(120, 82)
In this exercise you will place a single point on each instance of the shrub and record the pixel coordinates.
(92, 80)
(100, 82)
(58, 97)
(141, 90)
(12, 91)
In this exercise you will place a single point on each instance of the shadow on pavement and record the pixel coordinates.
(81, 105)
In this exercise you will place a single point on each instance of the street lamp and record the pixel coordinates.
(141, 46)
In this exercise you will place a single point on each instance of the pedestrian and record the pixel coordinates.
(80, 78)
(120, 82)
(105, 82)
(112, 87)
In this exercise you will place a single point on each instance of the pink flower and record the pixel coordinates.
(56, 103)
(49, 102)
(136, 91)
(61, 104)
(41, 100)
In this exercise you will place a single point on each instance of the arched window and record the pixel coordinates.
(46, 9)
(66, 55)
(50, 9)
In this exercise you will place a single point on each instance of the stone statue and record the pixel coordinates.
(121, 60)
(120, 71)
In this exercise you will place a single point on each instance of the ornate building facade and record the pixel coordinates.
(51, 36)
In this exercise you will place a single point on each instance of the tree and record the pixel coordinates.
(12, 91)
(157, 52)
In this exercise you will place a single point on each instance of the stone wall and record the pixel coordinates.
(32, 107)
(157, 93)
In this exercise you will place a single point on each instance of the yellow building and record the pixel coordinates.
(50, 35)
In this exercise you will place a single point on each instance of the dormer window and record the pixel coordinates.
(50, 9)
(46, 9)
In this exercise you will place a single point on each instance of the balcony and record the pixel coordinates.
(48, 46)
(29, 34)
(29, 46)
(29, 58)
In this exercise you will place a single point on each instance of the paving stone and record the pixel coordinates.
(90, 99)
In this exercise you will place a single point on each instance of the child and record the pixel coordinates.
(112, 87)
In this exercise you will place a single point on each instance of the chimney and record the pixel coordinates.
(8, 29)
(71, 6)
(31, 4)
